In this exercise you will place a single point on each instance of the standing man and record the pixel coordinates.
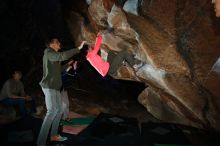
(51, 84)
(216, 7)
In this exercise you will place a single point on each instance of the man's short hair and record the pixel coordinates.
(49, 41)
(18, 72)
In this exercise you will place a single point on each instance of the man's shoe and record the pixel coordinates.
(58, 138)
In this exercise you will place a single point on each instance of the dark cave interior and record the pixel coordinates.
(182, 48)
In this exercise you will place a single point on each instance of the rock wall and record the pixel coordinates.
(178, 40)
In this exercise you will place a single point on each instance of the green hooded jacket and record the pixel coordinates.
(52, 67)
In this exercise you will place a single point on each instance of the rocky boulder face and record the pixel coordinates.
(179, 43)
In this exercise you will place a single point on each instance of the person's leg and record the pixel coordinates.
(6, 102)
(21, 105)
(16, 102)
(33, 104)
(50, 115)
(58, 112)
(65, 104)
(132, 61)
(129, 57)
(115, 61)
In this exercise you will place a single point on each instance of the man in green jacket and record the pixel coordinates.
(51, 84)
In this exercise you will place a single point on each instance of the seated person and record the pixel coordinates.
(113, 61)
(12, 93)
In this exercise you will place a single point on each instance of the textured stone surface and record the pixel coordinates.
(178, 40)
(179, 43)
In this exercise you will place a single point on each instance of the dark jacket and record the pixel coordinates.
(52, 67)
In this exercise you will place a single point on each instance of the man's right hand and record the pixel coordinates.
(28, 98)
(81, 45)
(68, 68)
(70, 62)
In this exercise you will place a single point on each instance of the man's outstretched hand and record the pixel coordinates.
(81, 45)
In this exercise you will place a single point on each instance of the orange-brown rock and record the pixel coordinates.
(178, 40)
